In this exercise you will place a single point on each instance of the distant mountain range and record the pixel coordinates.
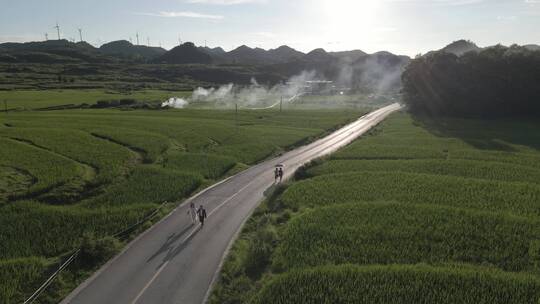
(125, 49)
(355, 70)
(63, 51)
(461, 47)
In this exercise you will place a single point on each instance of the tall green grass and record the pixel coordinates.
(399, 284)
(109, 159)
(476, 194)
(47, 170)
(147, 184)
(394, 233)
(35, 229)
(208, 165)
(15, 275)
(151, 145)
(489, 170)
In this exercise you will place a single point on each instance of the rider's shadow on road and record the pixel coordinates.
(171, 248)
(174, 252)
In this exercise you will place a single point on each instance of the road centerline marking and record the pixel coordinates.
(150, 282)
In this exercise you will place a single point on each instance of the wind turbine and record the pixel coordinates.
(80, 34)
(57, 27)
(148, 41)
(137, 35)
(46, 37)
(179, 40)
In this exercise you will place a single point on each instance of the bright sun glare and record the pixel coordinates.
(350, 19)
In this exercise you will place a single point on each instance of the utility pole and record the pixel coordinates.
(57, 27)
(137, 35)
(148, 41)
(46, 37)
(281, 104)
(80, 34)
(236, 116)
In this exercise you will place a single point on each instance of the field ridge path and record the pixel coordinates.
(140, 154)
(92, 170)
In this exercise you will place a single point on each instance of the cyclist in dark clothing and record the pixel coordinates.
(202, 215)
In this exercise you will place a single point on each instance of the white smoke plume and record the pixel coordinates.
(254, 94)
(175, 102)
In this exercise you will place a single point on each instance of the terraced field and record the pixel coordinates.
(39, 99)
(77, 175)
(417, 212)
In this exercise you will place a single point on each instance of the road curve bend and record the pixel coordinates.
(177, 262)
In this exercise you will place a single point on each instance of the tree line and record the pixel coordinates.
(494, 82)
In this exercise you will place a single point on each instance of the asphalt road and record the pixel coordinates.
(177, 262)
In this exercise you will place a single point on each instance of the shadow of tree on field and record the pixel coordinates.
(485, 134)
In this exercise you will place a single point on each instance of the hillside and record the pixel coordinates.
(461, 47)
(52, 51)
(123, 48)
(349, 56)
(184, 54)
(247, 55)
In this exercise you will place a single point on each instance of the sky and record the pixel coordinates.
(406, 27)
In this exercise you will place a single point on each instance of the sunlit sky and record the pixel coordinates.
(404, 27)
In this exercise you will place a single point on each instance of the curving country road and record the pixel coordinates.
(176, 262)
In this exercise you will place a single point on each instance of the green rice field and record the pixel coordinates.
(417, 211)
(67, 174)
(38, 99)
